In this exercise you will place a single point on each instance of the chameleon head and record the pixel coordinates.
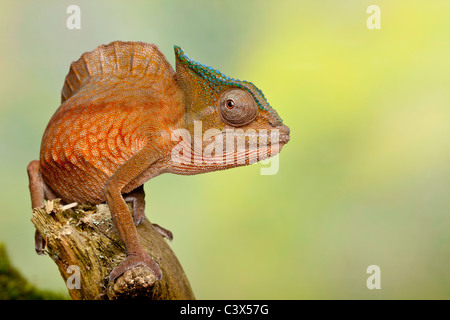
(228, 108)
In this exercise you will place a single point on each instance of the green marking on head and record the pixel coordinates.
(217, 80)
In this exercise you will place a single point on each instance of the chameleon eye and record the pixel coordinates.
(237, 107)
(230, 104)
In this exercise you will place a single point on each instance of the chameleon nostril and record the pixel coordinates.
(288, 131)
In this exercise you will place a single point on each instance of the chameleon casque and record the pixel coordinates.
(120, 106)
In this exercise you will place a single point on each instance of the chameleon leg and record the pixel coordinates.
(122, 218)
(137, 198)
(39, 192)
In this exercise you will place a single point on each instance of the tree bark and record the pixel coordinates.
(85, 238)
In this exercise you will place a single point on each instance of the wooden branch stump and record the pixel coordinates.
(84, 236)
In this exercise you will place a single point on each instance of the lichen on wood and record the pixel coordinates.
(84, 236)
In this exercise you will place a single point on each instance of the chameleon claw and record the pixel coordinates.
(164, 232)
(138, 219)
(133, 260)
(39, 243)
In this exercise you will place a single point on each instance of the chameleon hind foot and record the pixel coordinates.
(163, 232)
(137, 198)
(134, 260)
(39, 243)
(38, 192)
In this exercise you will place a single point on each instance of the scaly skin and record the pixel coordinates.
(121, 103)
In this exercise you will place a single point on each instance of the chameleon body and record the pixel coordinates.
(120, 107)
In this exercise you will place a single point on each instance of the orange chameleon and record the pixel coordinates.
(120, 106)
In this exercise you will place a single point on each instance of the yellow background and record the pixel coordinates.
(364, 180)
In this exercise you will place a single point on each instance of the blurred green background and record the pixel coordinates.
(364, 180)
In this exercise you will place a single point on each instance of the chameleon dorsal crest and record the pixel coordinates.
(118, 60)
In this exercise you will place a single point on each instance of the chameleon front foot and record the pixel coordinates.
(134, 283)
(134, 260)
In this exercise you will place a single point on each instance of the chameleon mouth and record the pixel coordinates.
(285, 134)
(284, 138)
(256, 144)
(226, 149)
(230, 148)
(261, 138)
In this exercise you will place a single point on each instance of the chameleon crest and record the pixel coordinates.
(215, 81)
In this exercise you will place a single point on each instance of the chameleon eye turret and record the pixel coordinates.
(237, 107)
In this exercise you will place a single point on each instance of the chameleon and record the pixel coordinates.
(121, 105)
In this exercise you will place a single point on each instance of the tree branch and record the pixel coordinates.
(84, 236)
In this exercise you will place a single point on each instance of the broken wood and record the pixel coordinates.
(84, 237)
